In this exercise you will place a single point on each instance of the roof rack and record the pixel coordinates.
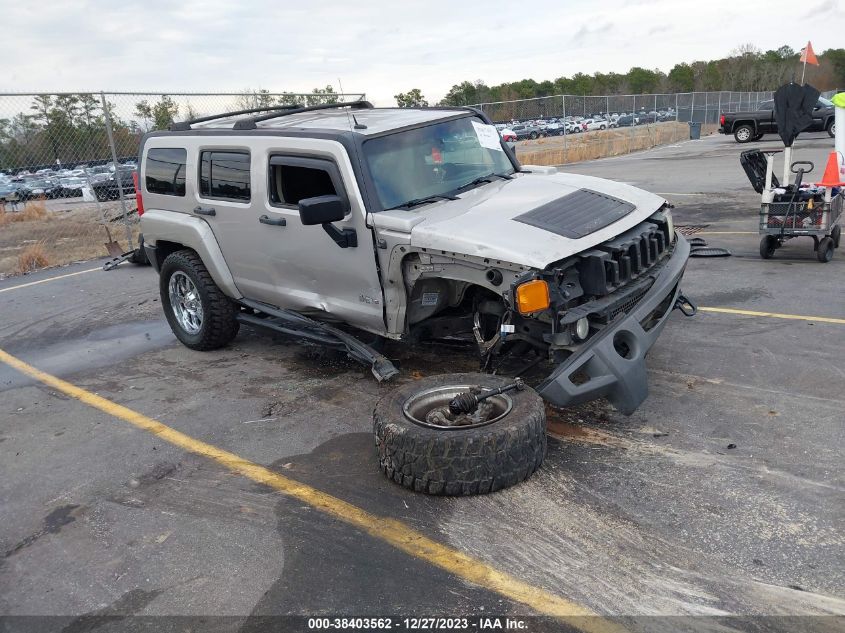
(177, 126)
(249, 123)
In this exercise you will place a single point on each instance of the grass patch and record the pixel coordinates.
(32, 258)
(60, 232)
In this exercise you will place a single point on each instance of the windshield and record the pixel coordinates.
(435, 160)
(827, 103)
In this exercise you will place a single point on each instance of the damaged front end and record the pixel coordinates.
(605, 309)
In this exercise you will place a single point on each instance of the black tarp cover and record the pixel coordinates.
(794, 110)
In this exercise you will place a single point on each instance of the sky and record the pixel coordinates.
(380, 47)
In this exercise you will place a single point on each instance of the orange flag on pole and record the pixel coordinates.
(808, 56)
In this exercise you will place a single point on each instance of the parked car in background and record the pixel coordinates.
(525, 131)
(72, 186)
(109, 189)
(626, 120)
(573, 127)
(37, 188)
(589, 125)
(552, 128)
(752, 125)
(508, 135)
(99, 173)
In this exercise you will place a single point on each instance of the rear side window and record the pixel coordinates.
(165, 171)
(293, 179)
(225, 175)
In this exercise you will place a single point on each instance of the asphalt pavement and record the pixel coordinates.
(722, 495)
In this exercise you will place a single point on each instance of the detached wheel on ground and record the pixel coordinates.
(824, 253)
(423, 447)
(200, 315)
(744, 133)
(768, 246)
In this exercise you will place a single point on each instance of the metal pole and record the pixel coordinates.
(719, 110)
(692, 109)
(117, 175)
(676, 107)
(563, 107)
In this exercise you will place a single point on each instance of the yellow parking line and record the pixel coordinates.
(44, 281)
(774, 315)
(396, 533)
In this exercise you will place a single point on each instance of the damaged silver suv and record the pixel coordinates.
(346, 224)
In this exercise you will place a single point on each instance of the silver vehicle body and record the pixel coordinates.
(409, 264)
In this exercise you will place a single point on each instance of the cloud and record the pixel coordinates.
(381, 47)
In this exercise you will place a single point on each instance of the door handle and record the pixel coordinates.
(266, 219)
(205, 210)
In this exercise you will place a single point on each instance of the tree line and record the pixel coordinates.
(747, 68)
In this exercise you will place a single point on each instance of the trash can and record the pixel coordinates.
(694, 130)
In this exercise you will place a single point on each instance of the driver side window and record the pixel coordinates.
(292, 179)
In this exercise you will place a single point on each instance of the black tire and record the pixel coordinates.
(219, 325)
(824, 253)
(101, 195)
(139, 256)
(533, 135)
(768, 246)
(460, 461)
(831, 129)
(836, 235)
(744, 134)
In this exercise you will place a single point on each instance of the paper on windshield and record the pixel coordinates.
(488, 136)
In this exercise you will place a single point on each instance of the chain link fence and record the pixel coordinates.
(68, 160)
(700, 107)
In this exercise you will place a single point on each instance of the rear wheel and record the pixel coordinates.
(831, 129)
(200, 315)
(768, 246)
(744, 134)
(824, 253)
(533, 135)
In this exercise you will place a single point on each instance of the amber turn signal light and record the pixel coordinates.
(532, 296)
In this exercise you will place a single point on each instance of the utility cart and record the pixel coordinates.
(791, 211)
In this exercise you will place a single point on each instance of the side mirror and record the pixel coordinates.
(321, 210)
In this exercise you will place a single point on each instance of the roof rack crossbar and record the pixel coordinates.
(249, 123)
(186, 125)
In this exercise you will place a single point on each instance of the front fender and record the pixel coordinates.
(194, 233)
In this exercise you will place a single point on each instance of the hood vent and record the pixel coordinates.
(577, 214)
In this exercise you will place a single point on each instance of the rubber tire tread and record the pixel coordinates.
(219, 323)
(460, 462)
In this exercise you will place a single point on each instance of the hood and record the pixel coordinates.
(557, 219)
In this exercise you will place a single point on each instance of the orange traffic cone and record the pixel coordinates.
(831, 173)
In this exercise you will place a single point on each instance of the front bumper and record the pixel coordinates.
(600, 368)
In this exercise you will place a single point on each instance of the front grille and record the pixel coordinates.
(622, 259)
(627, 305)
